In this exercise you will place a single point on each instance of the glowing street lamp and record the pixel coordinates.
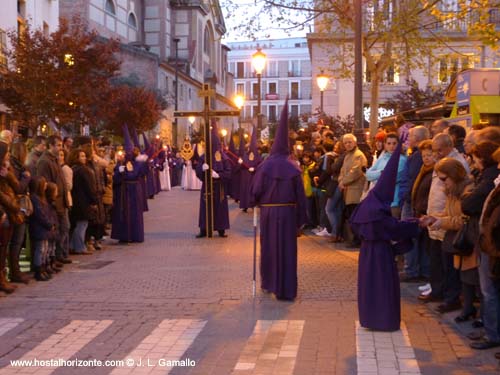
(239, 100)
(322, 81)
(259, 63)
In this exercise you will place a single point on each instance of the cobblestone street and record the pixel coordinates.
(176, 297)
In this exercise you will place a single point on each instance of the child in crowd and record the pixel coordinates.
(51, 195)
(40, 227)
(308, 166)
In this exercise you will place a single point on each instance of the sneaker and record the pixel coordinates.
(425, 287)
(323, 233)
(317, 230)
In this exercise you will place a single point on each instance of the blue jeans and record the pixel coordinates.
(491, 301)
(334, 208)
(62, 242)
(321, 198)
(40, 248)
(417, 262)
(78, 236)
(310, 211)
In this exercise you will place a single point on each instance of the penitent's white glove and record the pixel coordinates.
(205, 167)
(215, 174)
(251, 169)
(240, 161)
(121, 168)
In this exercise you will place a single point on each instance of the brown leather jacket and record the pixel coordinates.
(8, 198)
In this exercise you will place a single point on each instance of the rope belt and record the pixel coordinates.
(278, 205)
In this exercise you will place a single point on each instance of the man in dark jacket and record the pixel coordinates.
(49, 168)
(410, 173)
(39, 147)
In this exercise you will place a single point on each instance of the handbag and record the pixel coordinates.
(448, 240)
(25, 204)
(463, 242)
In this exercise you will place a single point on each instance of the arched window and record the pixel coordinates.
(132, 21)
(206, 41)
(110, 7)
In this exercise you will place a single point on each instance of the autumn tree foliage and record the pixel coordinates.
(135, 106)
(63, 77)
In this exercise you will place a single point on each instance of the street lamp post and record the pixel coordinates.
(176, 41)
(358, 67)
(322, 81)
(259, 63)
(239, 100)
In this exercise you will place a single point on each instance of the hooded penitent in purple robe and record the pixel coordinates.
(236, 169)
(221, 165)
(231, 155)
(251, 159)
(142, 175)
(279, 191)
(150, 182)
(127, 217)
(383, 237)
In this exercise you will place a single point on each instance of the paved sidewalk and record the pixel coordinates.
(178, 298)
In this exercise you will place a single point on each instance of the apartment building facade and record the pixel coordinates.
(287, 73)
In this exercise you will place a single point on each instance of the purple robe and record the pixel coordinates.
(127, 216)
(379, 301)
(246, 177)
(143, 188)
(221, 211)
(150, 182)
(279, 191)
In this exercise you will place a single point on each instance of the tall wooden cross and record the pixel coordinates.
(206, 93)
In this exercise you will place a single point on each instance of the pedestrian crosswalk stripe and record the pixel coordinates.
(271, 340)
(387, 353)
(62, 345)
(168, 342)
(6, 324)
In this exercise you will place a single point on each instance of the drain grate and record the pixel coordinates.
(96, 265)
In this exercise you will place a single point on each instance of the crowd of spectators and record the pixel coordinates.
(447, 177)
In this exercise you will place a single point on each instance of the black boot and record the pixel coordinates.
(15, 274)
(39, 276)
(45, 272)
(202, 234)
(4, 284)
(53, 266)
(222, 233)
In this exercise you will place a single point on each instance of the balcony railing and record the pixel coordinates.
(452, 23)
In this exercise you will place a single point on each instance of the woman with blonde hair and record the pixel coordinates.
(456, 268)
